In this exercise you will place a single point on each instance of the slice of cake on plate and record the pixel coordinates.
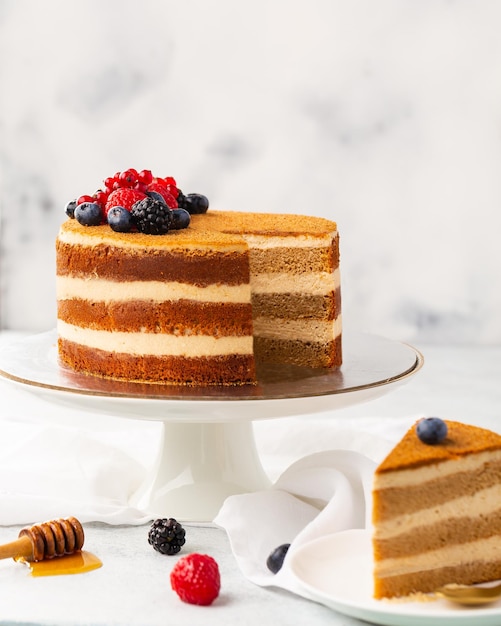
(437, 510)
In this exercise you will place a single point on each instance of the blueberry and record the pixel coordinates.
(88, 214)
(156, 196)
(276, 559)
(195, 203)
(180, 219)
(70, 207)
(431, 430)
(119, 219)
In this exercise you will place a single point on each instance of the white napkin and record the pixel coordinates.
(48, 471)
(320, 494)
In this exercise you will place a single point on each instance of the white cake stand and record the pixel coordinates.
(208, 450)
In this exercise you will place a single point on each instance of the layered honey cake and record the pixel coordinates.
(143, 298)
(437, 510)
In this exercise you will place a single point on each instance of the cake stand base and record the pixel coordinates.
(208, 450)
(198, 467)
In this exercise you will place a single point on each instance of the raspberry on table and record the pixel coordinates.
(196, 579)
(167, 536)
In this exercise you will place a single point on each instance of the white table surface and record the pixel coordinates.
(132, 587)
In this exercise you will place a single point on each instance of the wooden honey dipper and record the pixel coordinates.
(46, 540)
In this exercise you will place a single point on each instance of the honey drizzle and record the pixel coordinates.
(76, 563)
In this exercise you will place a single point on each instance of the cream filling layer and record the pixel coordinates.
(488, 549)
(260, 242)
(483, 502)
(155, 344)
(96, 289)
(419, 475)
(299, 330)
(310, 284)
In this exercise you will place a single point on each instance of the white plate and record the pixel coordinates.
(336, 570)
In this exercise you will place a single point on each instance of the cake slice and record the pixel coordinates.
(437, 512)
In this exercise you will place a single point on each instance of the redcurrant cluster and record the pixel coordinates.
(142, 181)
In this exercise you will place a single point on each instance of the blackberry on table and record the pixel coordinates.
(167, 536)
(151, 217)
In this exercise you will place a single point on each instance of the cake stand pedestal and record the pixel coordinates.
(198, 467)
(208, 450)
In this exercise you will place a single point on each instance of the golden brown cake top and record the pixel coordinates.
(215, 229)
(185, 238)
(461, 440)
(277, 224)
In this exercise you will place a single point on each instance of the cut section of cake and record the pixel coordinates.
(437, 512)
(295, 284)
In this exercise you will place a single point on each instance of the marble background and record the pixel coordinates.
(385, 116)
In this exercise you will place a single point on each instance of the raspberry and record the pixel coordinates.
(151, 217)
(170, 200)
(167, 536)
(196, 579)
(123, 197)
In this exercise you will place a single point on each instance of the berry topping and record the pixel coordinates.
(123, 197)
(101, 197)
(89, 214)
(70, 207)
(120, 219)
(151, 217)
(431, 430)
(125, 189)
(276, 559)
(83, 199)
(180, 219)
(170, 200)
(167, 536)
(145, 177)
(128, 178)
(196, 579)
(156, 196)
(194, 203)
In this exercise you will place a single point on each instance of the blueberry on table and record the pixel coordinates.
(431, 430)
(275, 560)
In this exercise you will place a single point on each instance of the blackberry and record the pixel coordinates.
(166, 536)
(151, 217)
